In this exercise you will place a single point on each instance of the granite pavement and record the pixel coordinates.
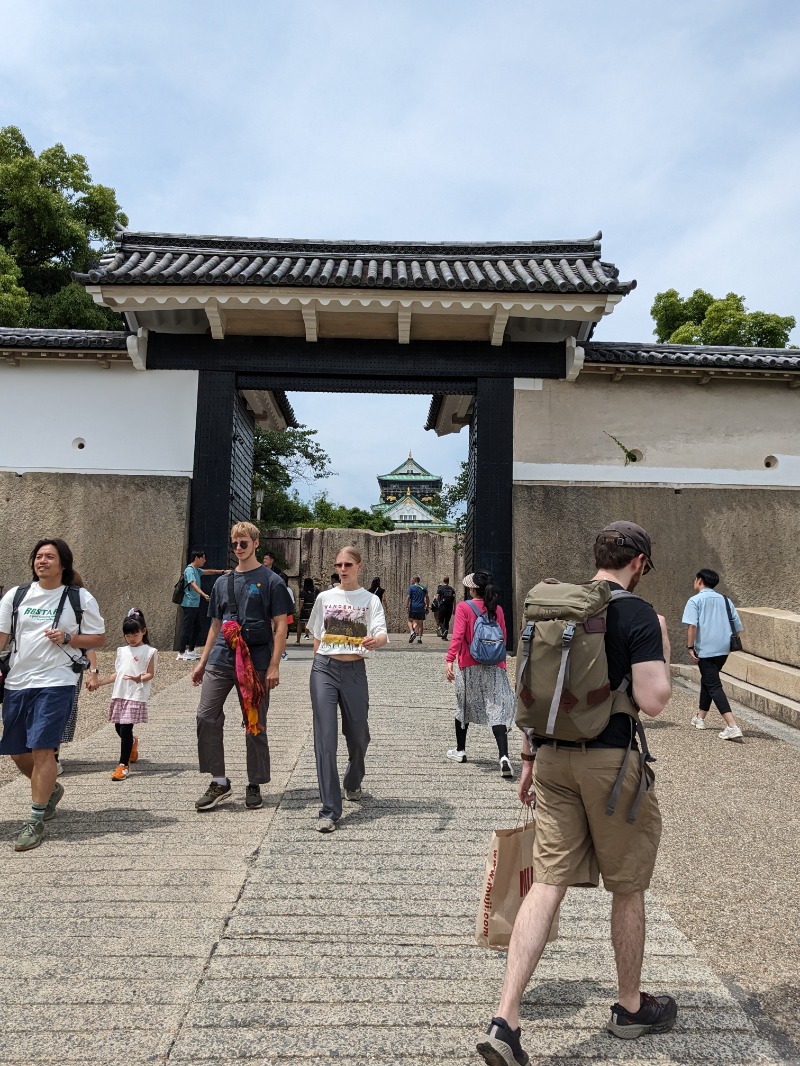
(144, 932)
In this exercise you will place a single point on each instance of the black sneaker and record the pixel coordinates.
(252, 797)
(502, 1046)
(214, 794)
(656, 1014)
(411, 638)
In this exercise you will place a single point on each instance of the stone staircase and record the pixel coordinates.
(765, 675)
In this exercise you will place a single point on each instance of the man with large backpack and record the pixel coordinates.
(592, 656)
(47, 625)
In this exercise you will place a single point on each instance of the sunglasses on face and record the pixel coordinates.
(240, 544)
(343, 566)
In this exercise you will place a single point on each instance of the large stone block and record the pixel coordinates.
(771, 633)
(773, 677)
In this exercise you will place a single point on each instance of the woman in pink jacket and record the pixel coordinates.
(483, 693)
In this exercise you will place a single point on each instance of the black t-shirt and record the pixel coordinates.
(446, 595)
(261, 595)
(633, 635)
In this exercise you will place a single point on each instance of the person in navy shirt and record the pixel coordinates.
(417, 605)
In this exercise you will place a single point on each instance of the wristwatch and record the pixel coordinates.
(94, 671)
(67, 638)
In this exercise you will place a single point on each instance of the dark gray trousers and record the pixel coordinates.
(336, 683)
(217, 684)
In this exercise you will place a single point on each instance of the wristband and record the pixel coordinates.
(690, 647)
(525, 757)
(94, 671)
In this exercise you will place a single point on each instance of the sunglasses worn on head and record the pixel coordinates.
(240, 544)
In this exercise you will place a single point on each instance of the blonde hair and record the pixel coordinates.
(245, 529)
(354, 553)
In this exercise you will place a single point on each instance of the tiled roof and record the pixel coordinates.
(180, 259)
(286, 409)
(620, 353)
(42, 339)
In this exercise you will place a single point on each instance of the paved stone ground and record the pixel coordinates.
(142, 932)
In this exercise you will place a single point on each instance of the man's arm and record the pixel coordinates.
(213, 633)
(3, 640)
(691, 636)
(281, 628)
(196, 587)
(652, 681)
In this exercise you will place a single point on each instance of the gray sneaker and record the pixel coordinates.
(325, 825)
(30, 836)
(353, 794)
(252, 797)
(214, 794)
(55, 798)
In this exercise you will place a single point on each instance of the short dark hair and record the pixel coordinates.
(269, 553)
(710, 578)
(64, 555)
(609, 554)
(198, 553)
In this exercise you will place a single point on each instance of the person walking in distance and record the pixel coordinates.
(347, 623)
(47, 639)
(576, 840)
(417, 605)
(190, 604)
(307, 596)
(711, 619)
(483, 694)
(446, 596)
(243, 655)
(134, 669)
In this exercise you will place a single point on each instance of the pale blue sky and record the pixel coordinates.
(670, 126)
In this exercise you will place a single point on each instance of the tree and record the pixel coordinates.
(703, 319)
(53, 219)
(455, 499)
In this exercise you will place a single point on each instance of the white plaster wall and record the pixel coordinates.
(133, 421)
(716, 434)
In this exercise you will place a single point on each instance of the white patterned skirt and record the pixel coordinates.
(484, 696)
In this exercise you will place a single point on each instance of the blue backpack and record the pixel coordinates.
(487, 647)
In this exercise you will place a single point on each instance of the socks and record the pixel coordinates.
(37, 812)
(219, 780)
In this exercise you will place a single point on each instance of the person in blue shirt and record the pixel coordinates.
(417, 605)
(190, 604)
(709, 643)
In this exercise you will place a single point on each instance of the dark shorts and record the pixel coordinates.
(34, 718)
(416, 616)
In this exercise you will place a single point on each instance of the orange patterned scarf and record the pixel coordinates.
(248, 685)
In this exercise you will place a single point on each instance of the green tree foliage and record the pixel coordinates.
(455, 499)
(703, 319)
(53, 219)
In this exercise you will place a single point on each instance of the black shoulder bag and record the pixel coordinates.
(736, 640)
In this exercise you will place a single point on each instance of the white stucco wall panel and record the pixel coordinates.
(681, 432)
(132, 422)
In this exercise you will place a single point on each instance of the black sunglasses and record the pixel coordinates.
(240, 544)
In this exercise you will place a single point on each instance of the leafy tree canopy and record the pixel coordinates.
(53, 219)
(704, 319)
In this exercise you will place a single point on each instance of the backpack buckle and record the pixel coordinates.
(527, 632)
(569, 633)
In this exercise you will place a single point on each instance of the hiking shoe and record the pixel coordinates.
(120, 773)
(698, 722)
(456, 755)
(731, 732)
(506, 769)
(501, 1046)
(656, 1014)
(353, 794)
(252, 797)
(214, 794)
(325, 825)
(55, 798)
(419, 640)
(30, 836)
(135, 750)
(411, 639)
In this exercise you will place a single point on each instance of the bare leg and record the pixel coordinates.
(729, 719)
(24, 763)
(40, 766)
(627, 936)
(527, 944)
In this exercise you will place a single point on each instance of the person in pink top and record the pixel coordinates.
(483, 693)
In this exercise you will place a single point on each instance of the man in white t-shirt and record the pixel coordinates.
(40, 684)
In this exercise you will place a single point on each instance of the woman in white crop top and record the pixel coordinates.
(347, 623)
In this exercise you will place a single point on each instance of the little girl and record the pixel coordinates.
(133, 671)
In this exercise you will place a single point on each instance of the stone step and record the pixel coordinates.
(771, 634)
(780, 708)
(774, 677)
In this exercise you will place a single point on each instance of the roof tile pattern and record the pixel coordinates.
(179, 259)
(620, 353)
(73, 339)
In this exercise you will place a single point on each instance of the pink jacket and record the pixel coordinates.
(463, 629)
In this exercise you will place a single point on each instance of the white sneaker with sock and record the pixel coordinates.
(731, 732)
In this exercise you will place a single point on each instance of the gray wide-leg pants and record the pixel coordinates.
(217, 684)
(338, 683)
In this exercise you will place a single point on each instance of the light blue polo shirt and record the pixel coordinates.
(191, 598)
(708, 612)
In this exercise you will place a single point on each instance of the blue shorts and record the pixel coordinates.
(34, 718)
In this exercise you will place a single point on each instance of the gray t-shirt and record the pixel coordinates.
(260, 596)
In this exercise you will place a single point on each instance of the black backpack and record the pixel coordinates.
(181, 586)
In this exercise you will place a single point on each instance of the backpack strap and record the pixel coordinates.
(566, 644)
(526, 636)
(471, 603)
(233, 606)
(74, 595)
(19, 596)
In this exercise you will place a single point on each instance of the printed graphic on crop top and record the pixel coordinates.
(345, 626)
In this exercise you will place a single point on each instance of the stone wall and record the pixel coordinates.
(749, 536)
(127, 533)
(393, 557)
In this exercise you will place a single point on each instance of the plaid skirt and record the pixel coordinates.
(127, 712)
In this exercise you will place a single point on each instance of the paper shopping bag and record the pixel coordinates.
(507, 878)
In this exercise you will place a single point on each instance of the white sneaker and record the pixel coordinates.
(59, 768)
(698, 722)
(506, 769)
(456, 755)
(192, 655)
(731, 732)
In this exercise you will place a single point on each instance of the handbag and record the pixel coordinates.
(507, 878)
(736, 640)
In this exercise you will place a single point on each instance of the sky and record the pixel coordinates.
(670, 126)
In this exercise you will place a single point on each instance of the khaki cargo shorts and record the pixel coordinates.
(575, 839)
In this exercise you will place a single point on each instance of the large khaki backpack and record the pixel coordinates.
(563, 690)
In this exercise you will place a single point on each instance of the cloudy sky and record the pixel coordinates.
(671, 126)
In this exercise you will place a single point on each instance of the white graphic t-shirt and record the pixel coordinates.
(37, 662)
(133, 661)
(340, 620)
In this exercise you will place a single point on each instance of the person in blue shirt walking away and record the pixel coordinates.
(417, 605)
(190, 604)
(711, 619)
